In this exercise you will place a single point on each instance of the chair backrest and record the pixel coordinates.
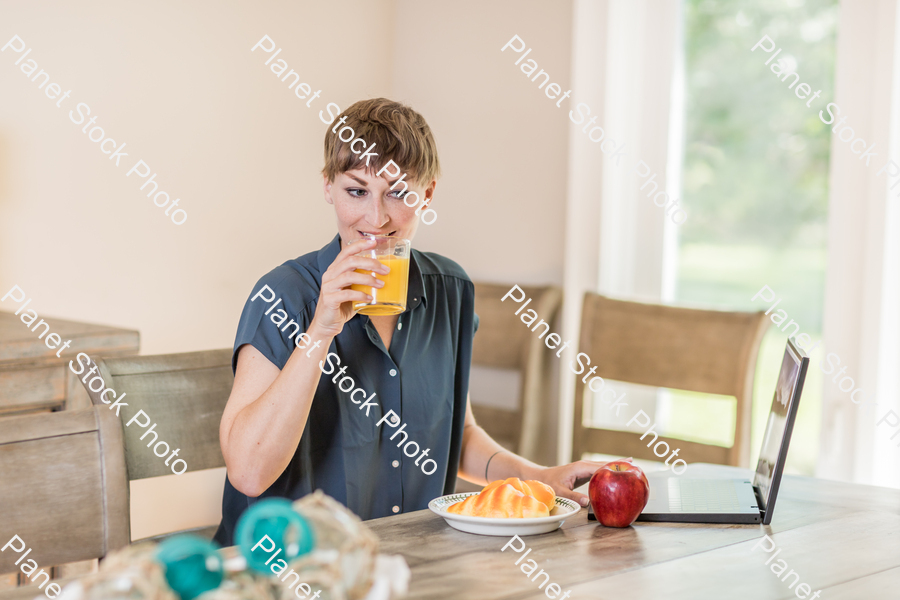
(183, 394)
(689, 349)
(63, 487)
(504, 341)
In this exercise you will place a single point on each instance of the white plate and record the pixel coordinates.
(564, 509)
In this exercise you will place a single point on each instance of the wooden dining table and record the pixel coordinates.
(842, 539)
(34, 379)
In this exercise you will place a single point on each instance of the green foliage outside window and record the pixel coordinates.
(755, 181)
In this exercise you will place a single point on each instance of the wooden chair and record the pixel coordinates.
(184, 394)
(665, 346)
(503, 341)
(64, 490)
(33, 379)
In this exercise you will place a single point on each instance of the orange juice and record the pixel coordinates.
(391, 299)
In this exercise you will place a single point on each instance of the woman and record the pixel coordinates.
(287, 429)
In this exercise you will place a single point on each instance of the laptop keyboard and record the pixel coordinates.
(703, 496)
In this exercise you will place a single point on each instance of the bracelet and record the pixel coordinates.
(489, 464)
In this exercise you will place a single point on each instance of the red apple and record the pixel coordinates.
(619, 491)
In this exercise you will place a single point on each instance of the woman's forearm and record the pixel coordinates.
(478, 448)
(264, 434)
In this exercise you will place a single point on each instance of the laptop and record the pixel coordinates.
(722, 500)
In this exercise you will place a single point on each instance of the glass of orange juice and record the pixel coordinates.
(390, 299)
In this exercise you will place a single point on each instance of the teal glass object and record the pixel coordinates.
(269, 531)
(192, 565)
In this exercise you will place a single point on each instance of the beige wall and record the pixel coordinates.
(177, 82)
(503, 143)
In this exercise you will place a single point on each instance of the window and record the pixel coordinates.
(755, 186)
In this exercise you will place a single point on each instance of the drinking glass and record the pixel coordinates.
(390, 299)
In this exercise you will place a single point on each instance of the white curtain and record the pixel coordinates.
(624, 53)
(862, 289)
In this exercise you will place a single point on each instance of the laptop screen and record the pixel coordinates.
(776, 437)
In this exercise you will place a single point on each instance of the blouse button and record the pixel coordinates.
(396, 509)
(395, 419)
(399, 325)
(393, 372)
(395, 464)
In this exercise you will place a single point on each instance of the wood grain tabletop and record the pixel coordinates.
(842, 539)
(19, 344)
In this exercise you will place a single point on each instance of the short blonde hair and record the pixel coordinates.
(399, 134)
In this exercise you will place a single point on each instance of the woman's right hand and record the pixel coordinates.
(336, 299)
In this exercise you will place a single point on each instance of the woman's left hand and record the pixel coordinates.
(564, 479)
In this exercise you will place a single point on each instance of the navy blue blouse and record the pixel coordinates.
(423, 378)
